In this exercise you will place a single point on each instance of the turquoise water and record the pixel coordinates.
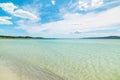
(82, 59)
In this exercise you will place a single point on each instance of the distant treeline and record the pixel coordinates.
(26, 37)
(106, 37)
(29, 37)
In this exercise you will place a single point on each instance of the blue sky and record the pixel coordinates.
(60, 18)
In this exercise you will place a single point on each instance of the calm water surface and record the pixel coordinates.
(36, 59)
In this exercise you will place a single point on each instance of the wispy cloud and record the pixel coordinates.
(29, 26)
(89, 4)
(5, 20)
(84, 5)
(96, 3)
(25, 14)
(16, 11)
(34, 8)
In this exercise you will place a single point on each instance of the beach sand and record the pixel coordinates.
(6, 73)
(23, 72)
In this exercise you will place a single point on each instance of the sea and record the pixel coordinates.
(61, 59)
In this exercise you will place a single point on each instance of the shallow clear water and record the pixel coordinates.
(82, 59)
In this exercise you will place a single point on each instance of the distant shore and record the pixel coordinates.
(105, 37)
(25, 37)
(29, 37)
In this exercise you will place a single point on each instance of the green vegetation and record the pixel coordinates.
(106, 37)
(25, 37)
(29, 37)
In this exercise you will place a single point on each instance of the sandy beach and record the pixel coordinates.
(6, 73)
(10, 71)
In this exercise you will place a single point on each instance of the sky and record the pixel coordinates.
(60, 18)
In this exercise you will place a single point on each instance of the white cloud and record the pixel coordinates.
(5, 20)
(53, 2)
(97, 3)
(9, 7)
(29, 26)
(83, 5)
(76, 22)
(85, 23)
(15, 11)
(89, 4)
(33, 8)
(25, 14)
